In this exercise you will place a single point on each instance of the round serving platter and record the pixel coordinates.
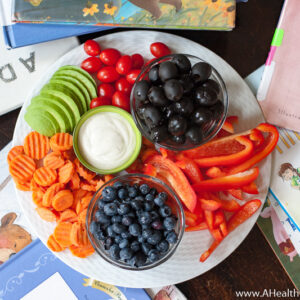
(184, 264)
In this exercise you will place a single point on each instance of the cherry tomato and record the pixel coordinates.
(121, 100)
(137, 61)
(106, 90)
(124, 64)
(91, 48)
(110, 56)
(159, 49)
(132, 75)
(108, 74)
(100, 101)
(122, 85)
(91, 64)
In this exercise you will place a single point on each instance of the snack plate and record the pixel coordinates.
(184, 264)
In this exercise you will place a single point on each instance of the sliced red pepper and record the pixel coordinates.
(219, 218)
(227, 205)
(227, 126)
(190, 218)
(257, 137)
(224, 229)
(167, 153)
(199, 211)
(201, 226)
(168, 170)
(150, 170)
(208, 252)
(250, 188)
(135, 167)
(209, 219)
(147, 143)
(147, 154)
(217, 235)
(232, 119)
(227, 182)
(271, 142)
(189, 168)
(211, 205)
(215, 172)
(236, 193)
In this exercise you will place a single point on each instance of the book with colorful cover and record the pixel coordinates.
(192, 14)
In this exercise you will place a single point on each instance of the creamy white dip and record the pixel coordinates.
(106, 140)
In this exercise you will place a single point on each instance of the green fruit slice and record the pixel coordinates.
(63, 114)
(67, 101)
(81, 75)
(41, 122)
(78, 83)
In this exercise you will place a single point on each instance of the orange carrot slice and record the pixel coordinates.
(45, 176)
(65, 173)
(108, 177)
(53, 160)
(87, 187)
(68, 215)
(69, 154)
(37, 197)
(23, 186)
(74, 183)
(46, 214)
(82, 216)
(36, 145)
(99, 184)
(78, 235)
(14, 152)
(22, 168)
(53, 244)
(62, 200)
(51, 191)
(62, 234)
(82, 171)
(78, 194)
(82, 251)
(83, 203)
(61, 141)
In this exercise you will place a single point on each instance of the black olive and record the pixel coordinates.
(201, 71)
(187, 83)
(153, 75)
(167, 70)
(182, 63)
(194, 135)
(152, 116)
(170, 110)
(173, 90)
(184, 107)
(157, 97)
(180, 139)
(205, 96)
(217, 109)
(159, 134)
(177, 125)
(212, 84)
(141, 90)
(201, 116)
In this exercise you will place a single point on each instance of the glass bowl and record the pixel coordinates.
(173, 201)
(210, 130)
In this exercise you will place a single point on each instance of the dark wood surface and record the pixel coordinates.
(253, 266)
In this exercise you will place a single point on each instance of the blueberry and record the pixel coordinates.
(100, 235)
(102, 218)
(159, 201)
(118, 185)
(118, 239)
(122, 193)
(130, 214)
(157, 225)
(139, 213)
(155, 238)
(138, 260)
(145, 218)
(146, 248)
(126, 220)
(110, 231)
(125, 235)
(149, 197)
(135, 246)
(171, 237)
(132, 192)
(124, 209)
(114, 251)
(123, 243)
(94, 227)
(148, 206)
(135, 229)
(109, 193)
(116, 219)
(126, 253)
(127, 200)
(136, 204)
(154, 215)
(101, 203)
(108, 243)
(145, 189)
(141, 239)
(165, 211)
(169, 223)
(117, 202)
(145, 226)
(139, 198)
(118, 228)
(163, 196)
(153, 255)
(163, 246)
(110, 209)
(147, 233)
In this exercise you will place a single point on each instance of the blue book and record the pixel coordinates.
(36, 273)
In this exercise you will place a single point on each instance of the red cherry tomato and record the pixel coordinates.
(91, 48)
(100, 101)
(106, 90)
(124, 64)
(121, 100)
(122, 85)
(159, 49)
(91, 64)
(110, 56)
(132, 75)
(137, 61)
(108, 74)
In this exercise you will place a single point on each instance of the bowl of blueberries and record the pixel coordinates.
(135, 222)
(179, 102)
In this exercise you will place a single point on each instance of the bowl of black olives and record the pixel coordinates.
(179, 102)
(135, 222)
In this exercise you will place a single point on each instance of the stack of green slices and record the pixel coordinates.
(62, 101)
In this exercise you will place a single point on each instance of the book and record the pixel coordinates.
(191, 14)
(279, 90)
(24, 34)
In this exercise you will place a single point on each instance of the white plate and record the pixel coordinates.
(185, 263)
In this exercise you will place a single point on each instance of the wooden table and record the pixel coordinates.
(253, 266)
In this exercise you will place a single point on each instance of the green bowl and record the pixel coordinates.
(128, 117)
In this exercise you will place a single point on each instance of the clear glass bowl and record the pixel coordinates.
(152, 182)
(210, 130)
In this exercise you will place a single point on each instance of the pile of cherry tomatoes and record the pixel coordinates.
(116, 72)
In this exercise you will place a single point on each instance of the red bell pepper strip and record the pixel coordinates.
(147, 154)
(189, 168)
(227, 182)
(250, 188)
(168, 170)
(272, 140)
(215, 172)
(219, 218)
(227, 126)
(224, 229)
(190, 218)
(201, 226)
(167, 153)
(217, 235)
(257, 137)
(227, 205)
(208, 252)
(211, 205)
(232, 119)
(236, 193)
(150, 170)
(209, 219)
(147, 143)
